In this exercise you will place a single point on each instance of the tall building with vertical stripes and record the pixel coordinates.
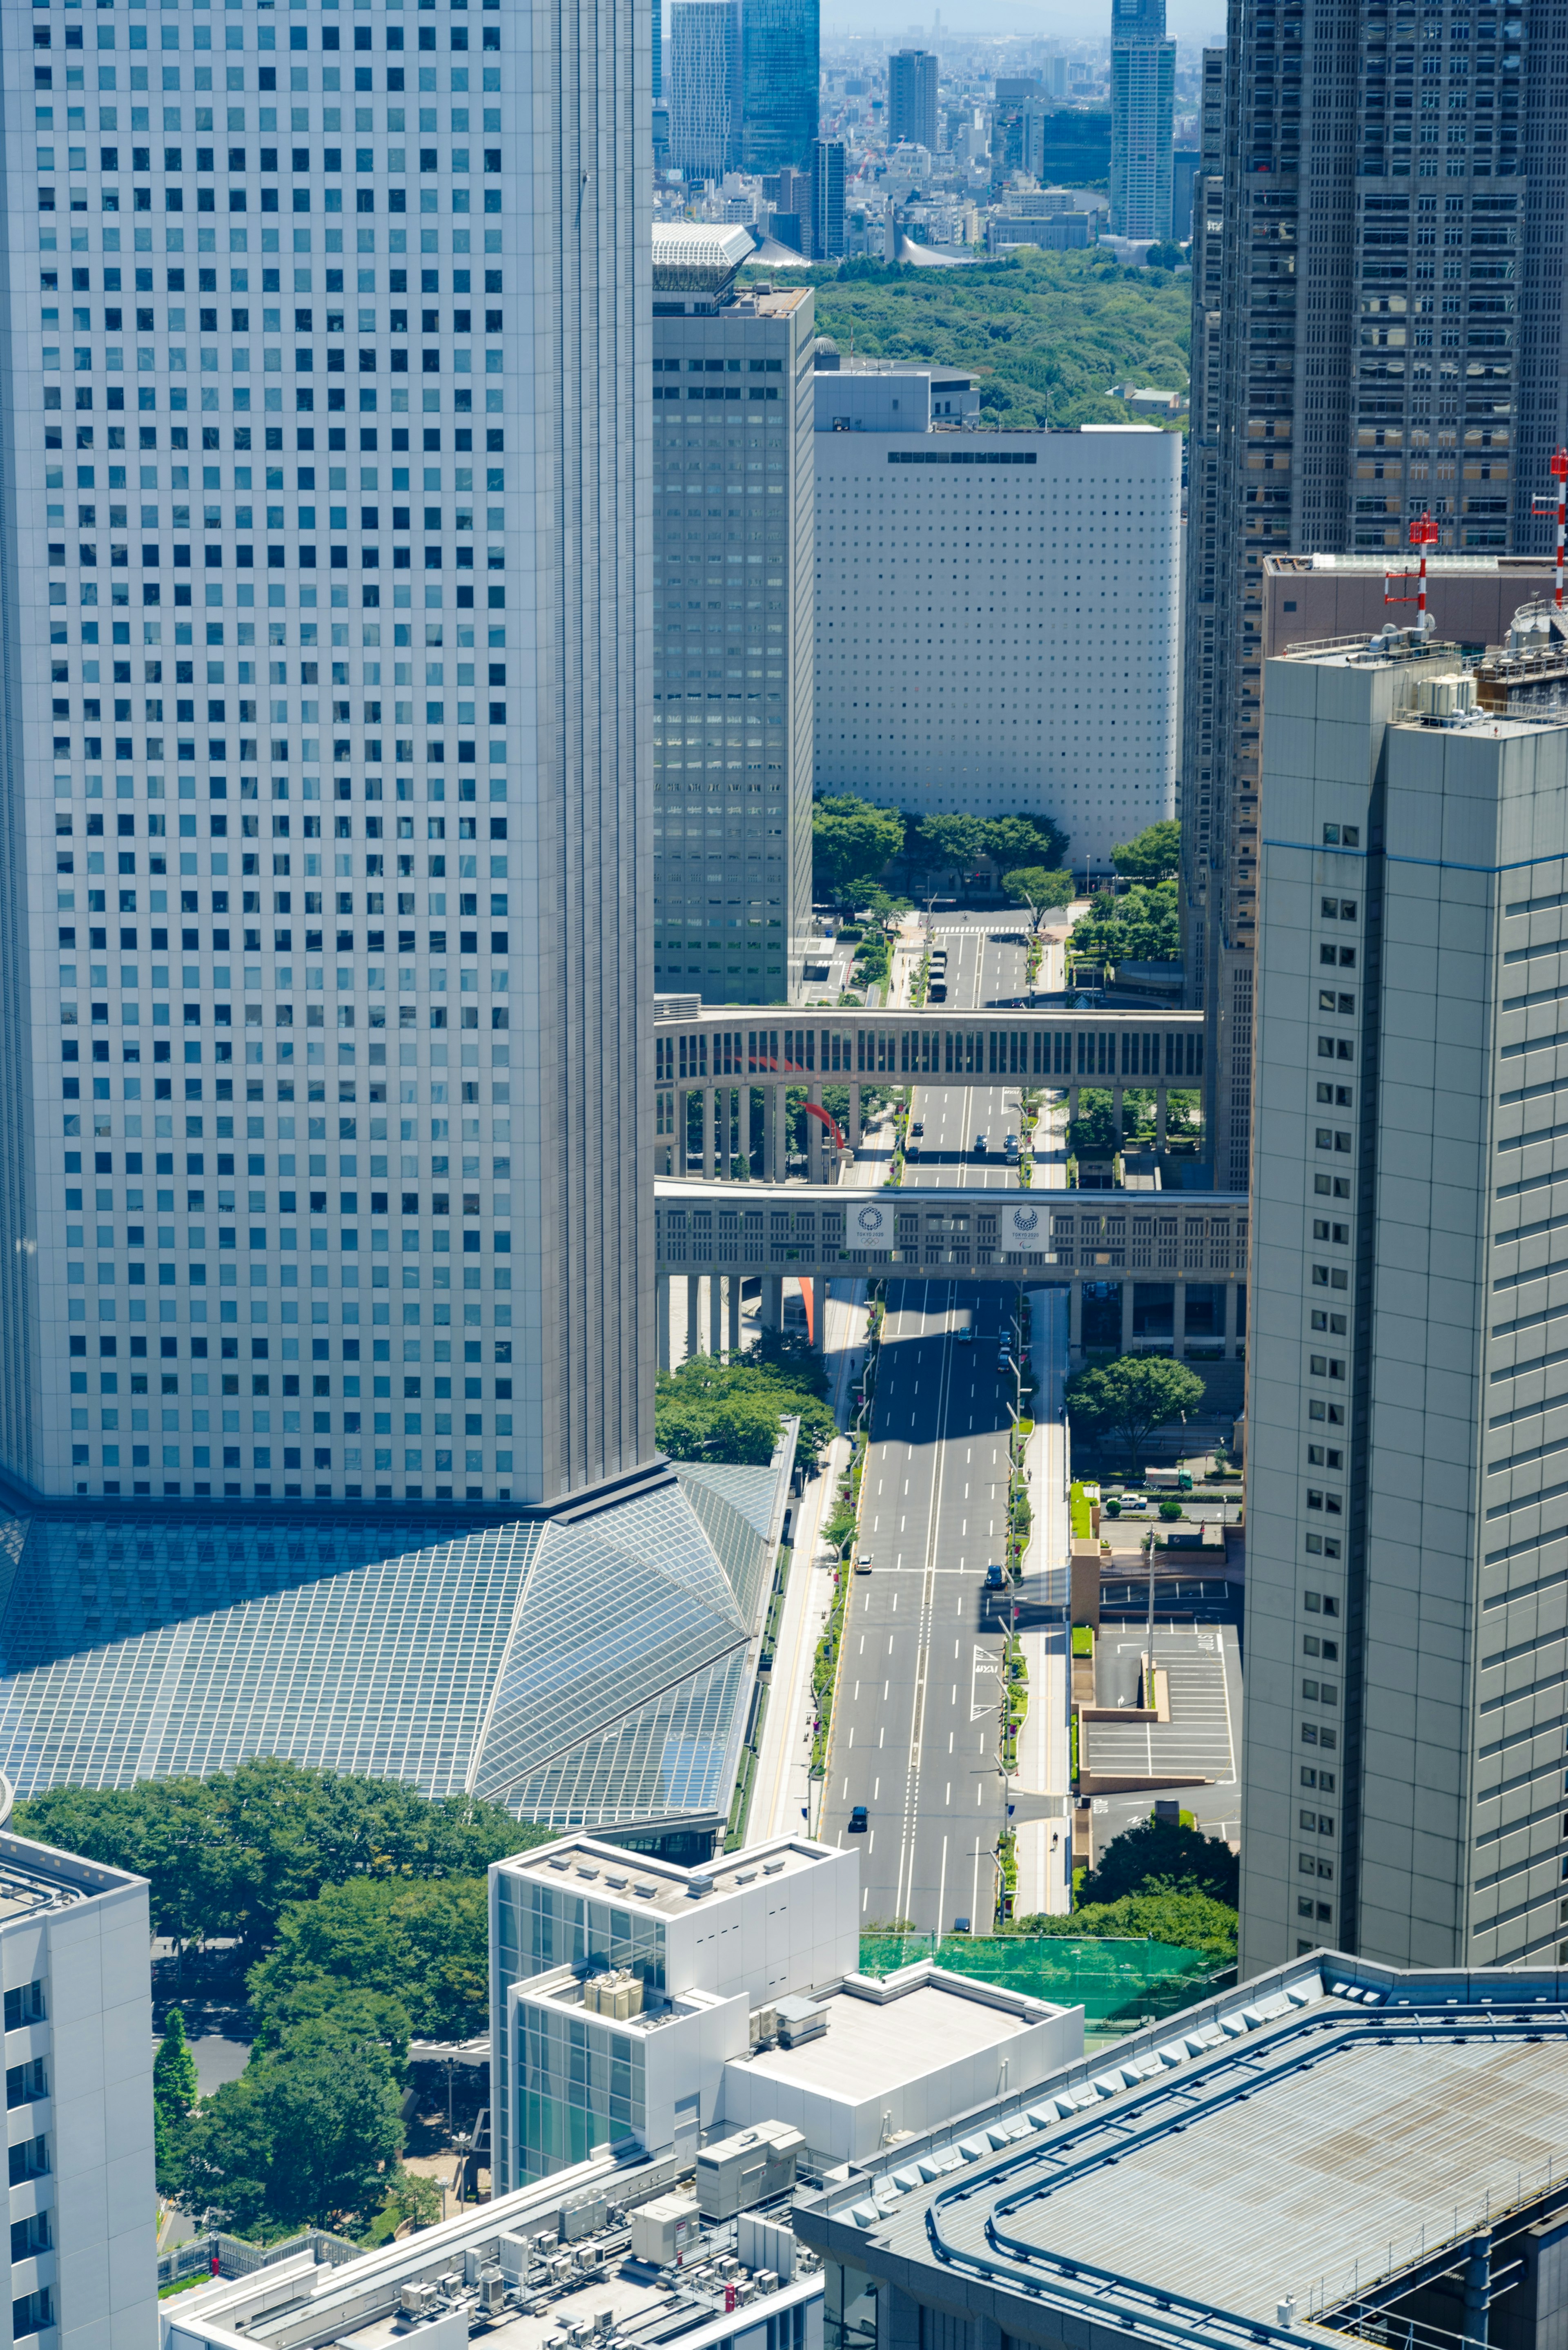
(327, 449)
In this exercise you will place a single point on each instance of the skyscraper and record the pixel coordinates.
(1380, 306)
(780, 80)
(732, 416)
(827, 199)
(1406, 1701)
(912, 98)
(348, 688)
(1142, 92)
(704, 88)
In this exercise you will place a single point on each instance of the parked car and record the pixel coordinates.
(859, 1820)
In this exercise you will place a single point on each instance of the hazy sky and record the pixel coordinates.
(1189, 20)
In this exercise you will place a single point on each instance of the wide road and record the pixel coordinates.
(916, 1734)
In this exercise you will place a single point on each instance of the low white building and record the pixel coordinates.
(638, 2004)
(78, 2086)
(1024, 591)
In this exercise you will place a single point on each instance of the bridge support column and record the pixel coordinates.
(779, 1114)
(856, 1131)
(662, 1315)
(715, 1314)
(1161, 1111)
(733, 1317)
(1075, 1317)
(1231, 1302)
(772, 1315)
(693, 1313)
(817, 1132)
(1126, 1316)
(1118, 1095)
(1179, 1320)
(707, 1101)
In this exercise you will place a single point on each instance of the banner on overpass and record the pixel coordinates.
(1023, 1228)
(870, 1226)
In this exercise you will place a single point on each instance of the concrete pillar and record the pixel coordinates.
(1126, 1317)
(856, 1131)
(733, 1317)
(1118, 1091)
(715, 1313)
(772, 1312)
(819, 1312)
(1159, 1117)
(703, 1097)
(1072, 1104)
(781, 1131)
(662, 1295)
(678, 1150)
(693, 1313)
(1179, 1320)
(1230, 1321)
(819, 1139)
(1075, 1317)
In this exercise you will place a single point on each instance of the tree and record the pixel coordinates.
(309, 2135)
(1133, 1396)
(1153, 855)
(1186, 1919)
(1033, 886)
(1025, 840)
(851, 841)
(1142, 926)
(1163, 1857)
(954, 840)
(174, 2092)
(226, 1855)
(424, 1947)
(710, 1410)
(1094, 1133)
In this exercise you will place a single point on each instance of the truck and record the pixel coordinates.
(1173, 1480)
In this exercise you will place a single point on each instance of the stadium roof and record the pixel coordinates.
(583, 1669)
(1278, 2164)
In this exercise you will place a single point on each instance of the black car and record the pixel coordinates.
(858, 1820)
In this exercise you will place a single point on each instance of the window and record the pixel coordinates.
(30, 2159)
(25, 2083)
(1338, 1233)
(1330, 1276)
(1340, 1096)
(24, 2005)
(1323, 1780)
(1332, 1186)
(1320, 1602)
(1336, 1322)
(1335, 1049)
(1342, 836)
(1344, 956)
(1325, 1456)
(1342, 909)
(1330, 1000)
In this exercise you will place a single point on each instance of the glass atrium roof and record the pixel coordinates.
(583, 1671)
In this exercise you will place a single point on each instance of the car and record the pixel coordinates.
(1134, 1506)
(862, 1562)
(936, 993)
(981, 1141)
(993, 1577)
(1010, 1142)
(918, 1126)
(1004, 1360)
(859, 1820)
(965, 1336)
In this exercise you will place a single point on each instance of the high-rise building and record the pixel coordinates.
(1406, 1701)
(354, 704)
(1380, 306)
(657, 47)
(1016, 116)
(732, 683)
(704, 88)
(968, 587)
(78, 2049)
(1143, 94)
(780, 80)
(912, 98)
(827, 199)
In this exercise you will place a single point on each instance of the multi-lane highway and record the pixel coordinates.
(916, 1725)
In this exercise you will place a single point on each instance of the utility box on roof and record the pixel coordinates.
(751, 2168)
(663, 2229)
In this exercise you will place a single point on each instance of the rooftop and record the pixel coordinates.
(1331, 2133)
(871, 2047)
(579, 1864)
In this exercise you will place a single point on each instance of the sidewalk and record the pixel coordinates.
(780, 1796)
(1044, 1757)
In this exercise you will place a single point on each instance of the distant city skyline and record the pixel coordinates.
(1197, 21)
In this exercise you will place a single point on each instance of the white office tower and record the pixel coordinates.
(1406, 1699)
(327, 461)
(996, 612)
(78, 2086)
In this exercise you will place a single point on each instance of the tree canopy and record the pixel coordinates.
(851, 841)
(712, 1411)
(1144, 925)
(422, 1946)
(226, 1855)
(1046, 332)
(1153, 854)
(1165, 1856)
(1186, 1919)
(1033, 886)
(1132, 1397)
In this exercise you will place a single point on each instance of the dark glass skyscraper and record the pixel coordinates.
(780, 73)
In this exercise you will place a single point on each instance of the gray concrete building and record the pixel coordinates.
(1377, 333)
(1406, 1701)
(733, 623)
